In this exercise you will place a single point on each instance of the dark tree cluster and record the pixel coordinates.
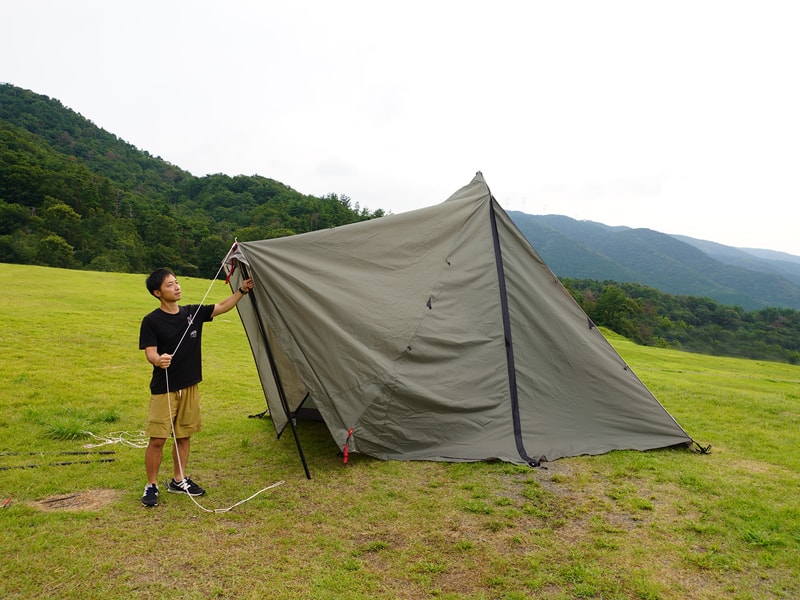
(75, 196)
(690, 323)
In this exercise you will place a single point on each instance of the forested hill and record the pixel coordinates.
(74, 195)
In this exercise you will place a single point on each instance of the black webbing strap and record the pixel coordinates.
(512, 371)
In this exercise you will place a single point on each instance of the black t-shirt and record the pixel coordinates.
(164, 331)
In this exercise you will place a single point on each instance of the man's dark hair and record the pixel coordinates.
(156, 278)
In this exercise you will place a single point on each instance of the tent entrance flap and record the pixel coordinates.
(276, 377)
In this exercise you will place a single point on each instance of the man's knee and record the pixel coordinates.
(157, 443)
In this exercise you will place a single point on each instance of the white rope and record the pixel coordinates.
(191, 321)
(135, 440)
(224, 510)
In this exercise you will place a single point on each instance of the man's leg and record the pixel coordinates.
(152, 462)
(187, 421)
(180, 451)
(152, 458)
(182, 484)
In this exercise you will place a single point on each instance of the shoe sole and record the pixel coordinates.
(185, 493)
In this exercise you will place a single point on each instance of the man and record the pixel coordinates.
(170, 337)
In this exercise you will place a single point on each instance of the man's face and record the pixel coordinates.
(170, 289)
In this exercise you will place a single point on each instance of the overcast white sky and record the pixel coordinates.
(683, 117)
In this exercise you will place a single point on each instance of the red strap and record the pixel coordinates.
(233, 268)
(345, 450)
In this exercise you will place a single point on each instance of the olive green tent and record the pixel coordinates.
(438, 334)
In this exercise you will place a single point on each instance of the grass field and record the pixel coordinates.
(670, 524)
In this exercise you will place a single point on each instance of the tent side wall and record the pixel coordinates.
(577, 395)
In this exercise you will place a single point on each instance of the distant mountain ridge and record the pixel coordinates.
(674, 264)
(754, 259)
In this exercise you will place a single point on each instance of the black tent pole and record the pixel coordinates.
(274, 367)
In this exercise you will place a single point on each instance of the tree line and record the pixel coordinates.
(694, 324)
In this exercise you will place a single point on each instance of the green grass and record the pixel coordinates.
(668, 524)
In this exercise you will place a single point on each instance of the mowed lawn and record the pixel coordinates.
(667, 524)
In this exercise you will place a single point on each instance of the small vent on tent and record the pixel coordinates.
(428, 303)
(591, 325)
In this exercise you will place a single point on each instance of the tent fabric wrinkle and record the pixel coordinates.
(439, 334)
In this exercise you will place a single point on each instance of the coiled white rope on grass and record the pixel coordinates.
(127, 438)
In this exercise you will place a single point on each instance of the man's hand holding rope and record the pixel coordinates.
(158, 360)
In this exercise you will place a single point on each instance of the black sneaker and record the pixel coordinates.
(186, 486)
(150, 497)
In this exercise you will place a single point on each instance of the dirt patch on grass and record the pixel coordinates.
(86, 500)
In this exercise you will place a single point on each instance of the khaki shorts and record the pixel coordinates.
(185, 415)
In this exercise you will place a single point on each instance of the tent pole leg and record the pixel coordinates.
(293, 422)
